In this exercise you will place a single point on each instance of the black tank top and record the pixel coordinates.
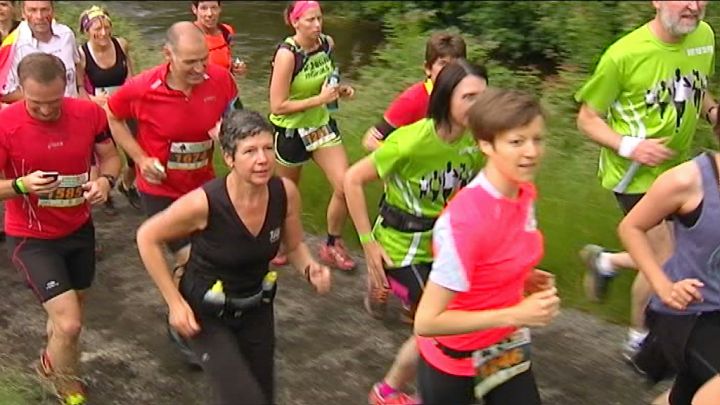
(226, 249)
(113, 76)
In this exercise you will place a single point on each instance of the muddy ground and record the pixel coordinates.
(329, 350)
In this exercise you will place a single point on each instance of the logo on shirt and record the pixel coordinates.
(209, 99)
(275, 235)
(531, 222)
(701, 50)
(51, 284)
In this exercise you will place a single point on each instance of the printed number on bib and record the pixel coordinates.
(502, 361)
(314, 138)
(189, 155)
(68, 194)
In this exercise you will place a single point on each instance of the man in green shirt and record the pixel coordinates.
(642, 105)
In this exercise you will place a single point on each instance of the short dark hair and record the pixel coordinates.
(448, 79)
(41, 67)
(241, 124)
(197, 3)
(52, 3)
(443, 45)
(498, 110)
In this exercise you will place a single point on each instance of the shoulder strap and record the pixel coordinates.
(226, 33)
(300, 56)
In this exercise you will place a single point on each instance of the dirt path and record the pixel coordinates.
(329, 350)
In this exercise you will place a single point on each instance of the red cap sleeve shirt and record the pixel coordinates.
(65, 146)
(174, 127)
(409, 107)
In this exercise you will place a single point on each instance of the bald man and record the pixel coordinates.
(177, 106)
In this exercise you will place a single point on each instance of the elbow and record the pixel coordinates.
(278, 107)
(350, 183)
(422, 327)
(580, 121)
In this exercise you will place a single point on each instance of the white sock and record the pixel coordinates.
(604, 265)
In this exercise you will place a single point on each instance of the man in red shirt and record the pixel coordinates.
(46, 145)
(177, 105)
(217, 35)
(412, 104)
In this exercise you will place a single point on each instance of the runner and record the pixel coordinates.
(106, 61)
(304, 130)
(175, 105)
(412, 104)
(399, 243)
(46, 156)
(8, 24)
(251, 210)
(41, 33)
(218, 35)
(639, 143)
(684, 311)
(486, 245)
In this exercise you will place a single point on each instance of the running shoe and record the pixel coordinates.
(279, 260)
(180, 342)
(336, 256)
(396, 398)
(130, 193)
(632, 346)
(596, 283)
(376, 301)
(69, 390)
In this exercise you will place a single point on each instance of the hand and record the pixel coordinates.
(319, 276)
(214, 132)
(149, 170)
(239, 68)
(35, 183)
(182, 319)
(96, 191)
(328, 93)
(100, 99)
(372, 140)
(377, 259)
(680, 294)
(539, 280)
(652, 152)
(538, 309)
(346, 91)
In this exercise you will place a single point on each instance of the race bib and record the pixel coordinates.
(189, 155)
(502, 361)
(314, 138)
(107, 91)
(68, 194)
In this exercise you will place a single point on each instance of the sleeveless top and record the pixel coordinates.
(111, 77)
(226, 250)
(697, 248)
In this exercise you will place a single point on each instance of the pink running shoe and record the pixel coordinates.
(396, 398)
(336, 256)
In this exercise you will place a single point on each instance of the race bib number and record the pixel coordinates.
(68, 194)
(190, 155)
(314, 138)
(107, 91)
(502, 361)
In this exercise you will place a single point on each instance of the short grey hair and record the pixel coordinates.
(241, 124)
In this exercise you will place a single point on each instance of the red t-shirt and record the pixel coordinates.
(174, 128)
(65, 146)
(485, 246)
(409, 107)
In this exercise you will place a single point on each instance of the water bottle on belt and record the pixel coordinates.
(214, 298)
(268, 286)
(333, 80)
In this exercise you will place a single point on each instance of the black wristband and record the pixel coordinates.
(16, 188)
(110, 178)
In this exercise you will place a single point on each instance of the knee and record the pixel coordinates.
(68, 328)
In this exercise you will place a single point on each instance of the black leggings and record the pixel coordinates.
(438, 387)
(238, 356)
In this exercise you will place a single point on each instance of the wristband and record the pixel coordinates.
(366, 238)
(111, 180)
(628, 144)
(19, 186)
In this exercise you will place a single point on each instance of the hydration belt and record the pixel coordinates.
(397, 219)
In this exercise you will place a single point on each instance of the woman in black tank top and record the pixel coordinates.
(106, 61)
(224, 301)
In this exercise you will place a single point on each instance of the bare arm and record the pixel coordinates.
(122, 135)
(677, 190)
(280, 102)
(594, 127)
(125, 46)
(80, 80)
(13, 96)
(185, 216)
(359, 174)
(708, 103)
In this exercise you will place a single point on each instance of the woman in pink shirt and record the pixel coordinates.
(473, 316)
